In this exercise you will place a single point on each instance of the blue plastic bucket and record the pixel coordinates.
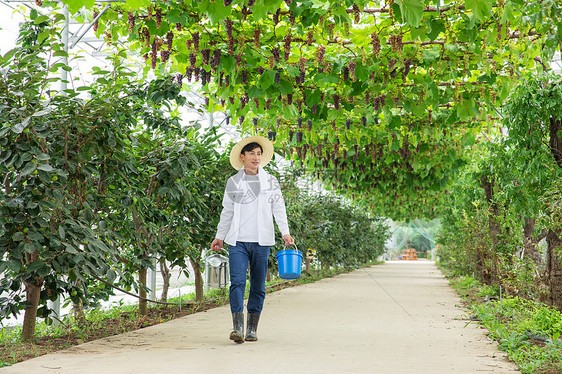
(290, 261)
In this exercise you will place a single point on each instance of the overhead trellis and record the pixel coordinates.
(381, 100)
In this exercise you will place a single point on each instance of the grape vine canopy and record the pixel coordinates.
(377, 99)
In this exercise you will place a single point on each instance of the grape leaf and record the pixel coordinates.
(136, 4)
(412, 11)
(480, 8)
(75, 5)
(437, 27)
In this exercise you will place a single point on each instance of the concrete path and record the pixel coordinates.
(400, 317)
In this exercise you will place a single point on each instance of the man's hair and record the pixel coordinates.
(250, 147)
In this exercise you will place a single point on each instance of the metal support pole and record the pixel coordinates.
(55, 305)
(501, 300)
(76, 39)
(153, 274)
(65, 35)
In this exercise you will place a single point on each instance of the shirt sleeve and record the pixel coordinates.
(226, 214)
(279, 210)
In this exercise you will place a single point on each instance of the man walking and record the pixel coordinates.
(252, 199)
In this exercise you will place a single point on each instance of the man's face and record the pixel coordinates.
(251, 159)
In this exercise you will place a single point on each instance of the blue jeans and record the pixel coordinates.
(240, 256)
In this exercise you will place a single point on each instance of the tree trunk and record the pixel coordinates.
(33, 294)
(198, 280)
(143, 304)
(553, 273)
(307, 263)
(481, 267)
(495, 231)
(166, 275)
(78, 309)
(79, 315)
(555, 141)
(268, 276)
(530, 243)
(32, 297)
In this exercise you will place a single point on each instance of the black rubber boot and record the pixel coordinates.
(252, 327)
(237, 333)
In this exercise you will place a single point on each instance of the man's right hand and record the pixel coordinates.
(216, 245)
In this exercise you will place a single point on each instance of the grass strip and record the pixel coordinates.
(528, 331)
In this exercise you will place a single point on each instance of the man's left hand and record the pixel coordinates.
(289, 241)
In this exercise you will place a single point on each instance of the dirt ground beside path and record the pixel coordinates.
(399, 317)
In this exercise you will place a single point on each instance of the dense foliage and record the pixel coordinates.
(376, 98)
(340, 233)
(503, 218)
(97, 181)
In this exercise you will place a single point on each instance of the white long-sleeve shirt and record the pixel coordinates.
(270, 205)
(248, 228)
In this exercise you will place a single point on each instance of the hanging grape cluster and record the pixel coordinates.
(206, 53)
(310, 38)
(169, 39)
(158, 17)
(287, 46)
(351, 67)
(389, 4)
(345, 73)
(275, 53)
(131, 21)
(396, 42)
(378, 101)
(228, 26)
(216, 59)
(391, 68)
(238, 59)
(195, 40)
(356, 13)
(153, 55)
(376, 43)
(145, 36)
(257, 33)
(407, 67)
(96, 24)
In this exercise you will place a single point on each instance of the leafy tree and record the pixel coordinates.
(63, 158)
(535, 125)
(49, 157)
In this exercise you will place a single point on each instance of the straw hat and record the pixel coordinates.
(266, 145)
